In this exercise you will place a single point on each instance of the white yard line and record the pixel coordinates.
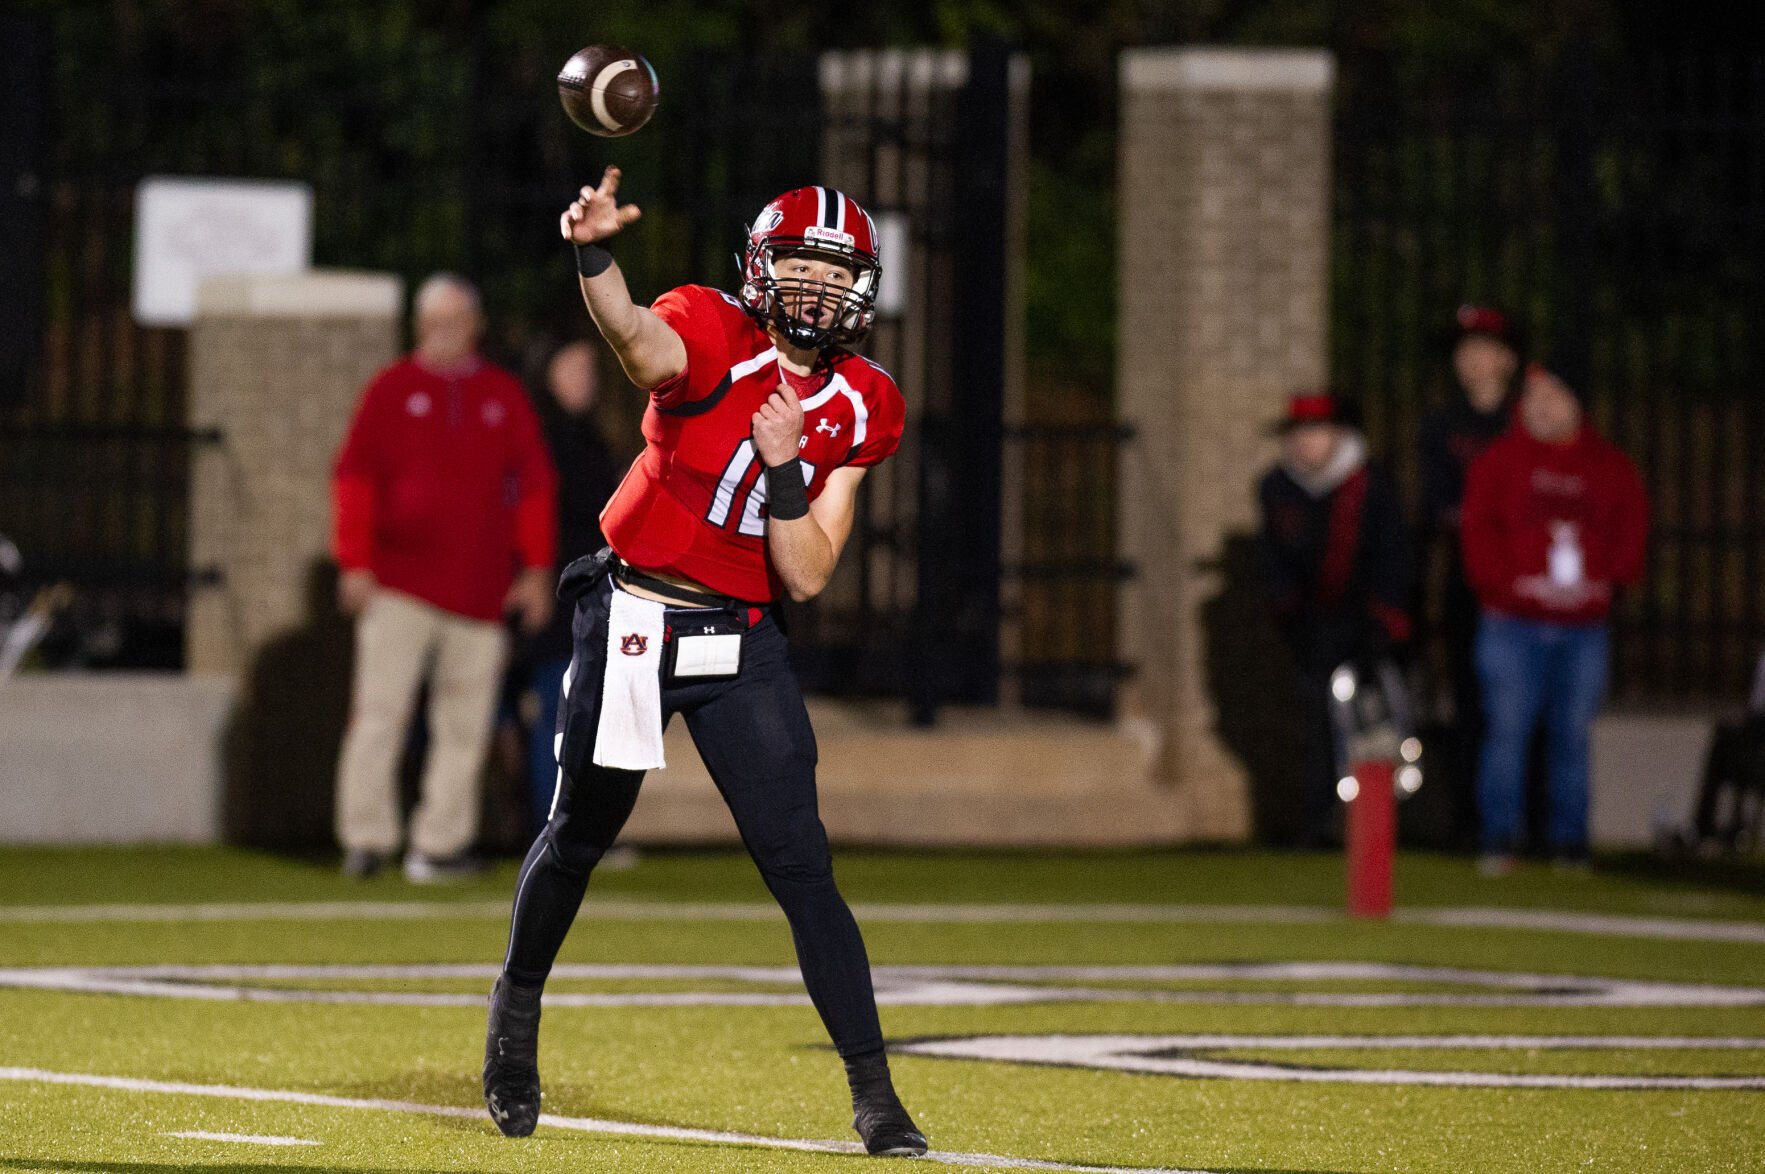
(580, 1124)
(1469, 1043)
(921, 986)
(613, 909)
(257, 911)
(1470, 917)
(1598, 924)
(239, 1138)
(1172, 1055)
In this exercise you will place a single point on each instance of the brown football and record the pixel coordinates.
(608, 90)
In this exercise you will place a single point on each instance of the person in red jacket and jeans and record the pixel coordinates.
(445, 518)
(1554, 520)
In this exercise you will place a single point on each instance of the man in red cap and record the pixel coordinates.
(1555, 519)
(1337, 563)
(1486, 366)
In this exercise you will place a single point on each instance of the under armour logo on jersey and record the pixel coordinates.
(493, 413)
(418, 404)
(634, 645)
(829, 427)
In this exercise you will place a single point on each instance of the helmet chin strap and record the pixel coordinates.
(800, 334)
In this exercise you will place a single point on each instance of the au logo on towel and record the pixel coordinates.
(634, 645)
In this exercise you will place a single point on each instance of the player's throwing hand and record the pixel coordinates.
(595, 215)
(778, 426)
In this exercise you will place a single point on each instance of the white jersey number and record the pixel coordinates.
(743, 464)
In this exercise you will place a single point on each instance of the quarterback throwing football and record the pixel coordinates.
(760, 427)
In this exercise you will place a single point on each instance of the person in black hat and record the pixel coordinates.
(1485, 355)
(1337, 563)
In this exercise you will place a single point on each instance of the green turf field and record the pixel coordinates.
(184, 1009)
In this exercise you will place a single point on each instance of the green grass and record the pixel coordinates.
(768, 1070)
(1633, 884)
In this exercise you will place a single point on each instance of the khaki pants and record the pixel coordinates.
(398, 639)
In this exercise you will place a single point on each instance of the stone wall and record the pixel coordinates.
(111, 758)
(1223, 251)
(276, 365)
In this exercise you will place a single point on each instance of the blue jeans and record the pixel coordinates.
(542, 760)
(1530, 668)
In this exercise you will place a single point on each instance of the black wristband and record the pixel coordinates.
(787, 498)
(592, 260)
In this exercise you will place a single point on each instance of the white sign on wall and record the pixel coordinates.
(892, 243)
(187, 230)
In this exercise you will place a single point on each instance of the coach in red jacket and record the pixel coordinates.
(445, 519)
(1555, 519)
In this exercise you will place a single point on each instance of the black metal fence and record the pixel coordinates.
(1068, 582)
(1616, 209)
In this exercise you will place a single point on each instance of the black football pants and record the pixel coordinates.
(754, 736)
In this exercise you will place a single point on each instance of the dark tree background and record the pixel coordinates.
(396, 58)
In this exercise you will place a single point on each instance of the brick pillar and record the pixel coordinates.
(276, 365)
(1224, 228)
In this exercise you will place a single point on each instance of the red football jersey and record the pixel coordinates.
(694, 502)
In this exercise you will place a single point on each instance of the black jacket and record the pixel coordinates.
(587, 476)
(1451, 438)
(1337, 564)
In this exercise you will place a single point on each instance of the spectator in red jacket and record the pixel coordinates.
(445, 518)
(1555, 519)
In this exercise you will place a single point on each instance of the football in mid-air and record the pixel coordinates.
(608, 90)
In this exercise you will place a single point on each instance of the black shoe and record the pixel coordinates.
(887, 1130)
(362, 863)
(511, 1058)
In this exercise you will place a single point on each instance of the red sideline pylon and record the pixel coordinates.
(1372, 839)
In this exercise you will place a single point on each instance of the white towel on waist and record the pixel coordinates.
(630, 732)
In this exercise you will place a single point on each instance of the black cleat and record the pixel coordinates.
(887, 1130)
(511, 1058)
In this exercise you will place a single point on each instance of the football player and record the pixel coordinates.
(760, 427)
